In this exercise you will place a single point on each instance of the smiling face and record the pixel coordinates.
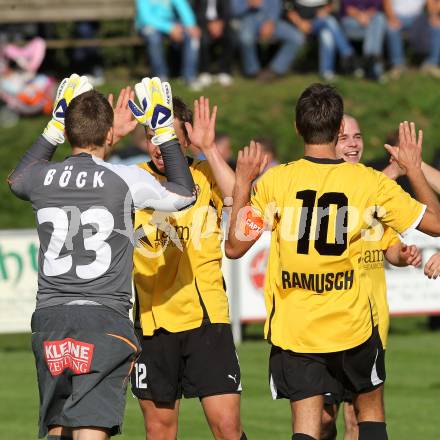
(154, 150)
(350, 144)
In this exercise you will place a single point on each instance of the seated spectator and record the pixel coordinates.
(363, 20)
(174, 19)
(260, 20)
(88, 60)
(313, 17)
(401, 16)
(213, 19)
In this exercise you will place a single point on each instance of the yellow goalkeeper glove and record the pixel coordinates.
(68, 89)
(156, 108)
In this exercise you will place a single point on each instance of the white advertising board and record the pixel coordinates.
(18, 279)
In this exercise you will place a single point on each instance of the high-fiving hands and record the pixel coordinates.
(202, 132)
(69, 88)
(156, 108)
(408, 155)
(251, 162)
(123, 121)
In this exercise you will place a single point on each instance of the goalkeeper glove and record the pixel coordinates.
(156, 110)
(68, 89)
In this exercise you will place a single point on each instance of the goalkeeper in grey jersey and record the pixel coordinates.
(82, 338)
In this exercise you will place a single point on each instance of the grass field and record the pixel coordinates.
(412, 391)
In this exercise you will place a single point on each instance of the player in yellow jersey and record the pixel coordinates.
(322, 318)
(350, 147)
(182, 311)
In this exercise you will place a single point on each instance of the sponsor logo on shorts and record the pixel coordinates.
(68, 354)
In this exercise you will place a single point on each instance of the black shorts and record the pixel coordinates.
(196, 363)
(297, 376)
(344, 395)
(83, 355)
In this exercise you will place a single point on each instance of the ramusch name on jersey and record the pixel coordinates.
(68, 353)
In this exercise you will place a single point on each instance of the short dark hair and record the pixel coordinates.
(89, 117)
(183, 113)
(319, 112)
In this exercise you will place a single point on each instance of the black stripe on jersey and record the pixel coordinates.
(324, 160)
(371, 316)
(136, 310)
(272, 313)
(206, 319)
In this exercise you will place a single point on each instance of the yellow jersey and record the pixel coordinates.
(177, 261)
(318, 297)
(372, 260)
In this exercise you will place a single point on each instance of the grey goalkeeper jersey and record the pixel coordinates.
(84, 212)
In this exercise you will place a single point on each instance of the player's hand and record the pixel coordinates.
(251, 162)
(432, 267)
(68, 89)
(123, 122)
(202, 132)
(392, 170)
(411, 255)
(156, 108)
(409, 154)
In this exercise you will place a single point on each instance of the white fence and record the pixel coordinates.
(409, 291)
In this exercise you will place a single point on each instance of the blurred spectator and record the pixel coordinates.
(175, 19)
(136, 152)
(260, 20)
(224, 145)
(213, 17)
(87, 60)
(313, 17)
(22, 89)
(363, 20)
(268, 146)
(402, 15)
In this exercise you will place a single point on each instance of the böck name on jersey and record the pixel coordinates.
(78, 178)
(68, 353)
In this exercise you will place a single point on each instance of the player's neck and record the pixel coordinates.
(320, 151)
(98, 152)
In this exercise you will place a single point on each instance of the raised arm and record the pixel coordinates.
(409, 158)
(432, 176)
(202, 135)
(44, 147)
(245, 225)
(156, 112)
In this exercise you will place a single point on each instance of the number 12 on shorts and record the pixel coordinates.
(140, 373)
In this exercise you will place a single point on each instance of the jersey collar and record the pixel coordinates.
(83, 154)
(323, 160)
